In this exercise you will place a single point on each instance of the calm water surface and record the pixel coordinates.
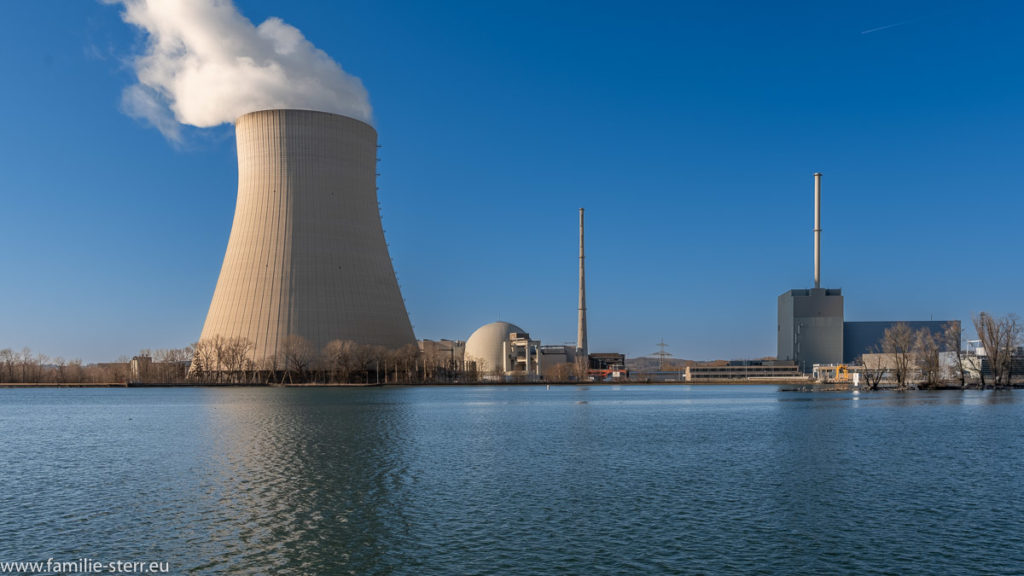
(516, 480)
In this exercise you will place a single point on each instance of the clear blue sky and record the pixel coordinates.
(689, 132)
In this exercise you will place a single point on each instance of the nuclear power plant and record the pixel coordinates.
(501, 351)
(812, 329)
(306, 256)
(306, 259)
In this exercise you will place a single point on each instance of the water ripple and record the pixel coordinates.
(519, 480)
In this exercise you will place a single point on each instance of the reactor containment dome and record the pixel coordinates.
(306, 256)
(487, 347)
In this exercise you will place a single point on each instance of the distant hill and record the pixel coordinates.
(651, 364)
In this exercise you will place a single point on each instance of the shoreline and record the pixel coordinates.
(14, 385)
(783, 385)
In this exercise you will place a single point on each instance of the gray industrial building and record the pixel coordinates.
(743, 370)
(811, 327)
(866, 337)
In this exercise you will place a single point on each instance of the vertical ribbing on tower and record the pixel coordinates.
(306, 259)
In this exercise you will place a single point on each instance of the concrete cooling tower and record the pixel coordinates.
(307, 255)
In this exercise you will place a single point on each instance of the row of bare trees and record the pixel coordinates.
(1001, 340)
(221, 360)
(27, 367)
(911, 357)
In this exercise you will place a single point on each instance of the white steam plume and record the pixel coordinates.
(206, 64)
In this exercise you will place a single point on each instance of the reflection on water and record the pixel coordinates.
(515, 480)
(307, 470)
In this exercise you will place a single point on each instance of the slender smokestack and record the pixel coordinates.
(581, 326)
(817, 229)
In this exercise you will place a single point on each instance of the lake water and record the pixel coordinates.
(515, 480)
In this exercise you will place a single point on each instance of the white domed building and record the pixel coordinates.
(502, 349)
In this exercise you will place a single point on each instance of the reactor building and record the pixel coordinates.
(499, 349)
(810, 329)
(306, 256)
(813, 330)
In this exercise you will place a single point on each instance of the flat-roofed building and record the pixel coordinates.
(861, 338)
(744, 370)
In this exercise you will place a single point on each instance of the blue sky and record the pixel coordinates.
(689, 132)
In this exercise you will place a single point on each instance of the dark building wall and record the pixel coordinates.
(861, 337)
(605, 361)
(811, 327)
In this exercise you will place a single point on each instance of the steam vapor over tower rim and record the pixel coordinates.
(305, 110)
(306, 256)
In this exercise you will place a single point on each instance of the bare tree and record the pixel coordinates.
(367, 362)
(265, 369)
(173, 365)
(9, 359)
(204, 361)
(340, 358)
(470, 371)
(1000, 338)
(1010, 327)
(898, 342)
(298, 356)
(926, 357)
(874, 368)
(236, 357)
(220, 357)
(377, 360)
(988, 332)
(29, 367)
(39, 362)
(61, 371)
(75, 372)
(562, 372)
(25, 365)
(951, 338)
(405, 358)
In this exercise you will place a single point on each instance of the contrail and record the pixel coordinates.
(887, 26)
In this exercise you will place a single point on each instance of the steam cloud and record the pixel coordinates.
(206, 64)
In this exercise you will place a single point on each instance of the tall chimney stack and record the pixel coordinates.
(581, 326)
(817, 230)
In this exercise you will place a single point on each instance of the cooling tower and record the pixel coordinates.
(307, 255)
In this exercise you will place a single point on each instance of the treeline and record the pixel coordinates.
(230, 361)
(1001, 339)
(221, 360)
(910, 359)
(26, 367)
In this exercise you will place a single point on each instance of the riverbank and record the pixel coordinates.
(789, 385)
(408, 384)
(181, 385)
(639, 479)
